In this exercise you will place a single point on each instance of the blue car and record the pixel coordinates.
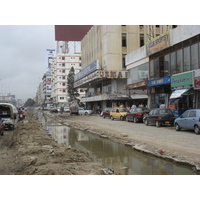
(190, 120)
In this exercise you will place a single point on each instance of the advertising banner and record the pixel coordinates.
(196, 79)
(158, 43)
(50, 54)
(182, 81)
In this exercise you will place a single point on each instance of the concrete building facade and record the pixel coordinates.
(60, 68)
(103, 51)
(173, 61)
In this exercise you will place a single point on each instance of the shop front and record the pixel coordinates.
(137, 92)
(158, 91)
(183, 95)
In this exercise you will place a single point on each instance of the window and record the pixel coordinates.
(173, 63)
(194, 56)
(192, 114)
(141, 40)
(186, 58)
(63, 71)
(63, 77)
(64, 90)
(61, 98)
(63, 84)
(151, 69)
(179, 61)
(63, 64)
(123, 41)
(156, 68)
(63, 58)
(185, 114)
(166, 65)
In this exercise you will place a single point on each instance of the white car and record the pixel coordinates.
(83, 111)
(66, 109)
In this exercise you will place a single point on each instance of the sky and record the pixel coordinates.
(23, 58)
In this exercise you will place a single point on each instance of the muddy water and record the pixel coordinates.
(120, 158)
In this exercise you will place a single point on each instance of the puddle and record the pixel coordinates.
(122, 159)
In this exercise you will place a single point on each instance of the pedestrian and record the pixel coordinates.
(141, 105)
(163, 105)
(121, 105)
(23, 113)
(133, 106)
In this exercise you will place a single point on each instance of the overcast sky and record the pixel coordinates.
(23, 57)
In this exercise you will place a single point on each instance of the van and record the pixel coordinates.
(8, 113)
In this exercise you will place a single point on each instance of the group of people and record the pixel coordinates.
(21, 113)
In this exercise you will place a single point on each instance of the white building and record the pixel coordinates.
(60, 68)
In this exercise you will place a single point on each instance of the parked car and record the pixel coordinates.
(118, 113)
(159, 116)
(54, 110)
(136, 114)
(106, 112)
(66, 109)
(190, 120)
(84, 111)
(1, 127)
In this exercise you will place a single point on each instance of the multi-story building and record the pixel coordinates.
(8, 99)
(60, 68)
(103, 52)
(173, 63)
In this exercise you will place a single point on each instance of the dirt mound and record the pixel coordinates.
(29, 150)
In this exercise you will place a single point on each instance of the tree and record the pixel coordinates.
(73, 92)
(30, 102)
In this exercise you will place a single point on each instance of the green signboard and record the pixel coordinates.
(182, 81)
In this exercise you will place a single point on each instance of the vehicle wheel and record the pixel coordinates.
(196, 130)
(86, 113)
(172, 124)
(135, 120)
(111, 117)
(158, 124)
(127, 119)
(121, 118)
(104, 117)
(177, 127)
(146, 122)
(1, 134)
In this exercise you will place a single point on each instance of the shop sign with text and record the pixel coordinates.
(159, 81)
(159, 43)
(182, 81)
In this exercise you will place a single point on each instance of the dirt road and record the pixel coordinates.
(29, 150)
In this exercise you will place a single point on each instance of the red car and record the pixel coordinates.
(136, 114)
(106, 113)
(1, 127)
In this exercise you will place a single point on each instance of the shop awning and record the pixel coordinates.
(177, 93)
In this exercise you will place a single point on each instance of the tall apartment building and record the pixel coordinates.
(60, 68)
(103, 51)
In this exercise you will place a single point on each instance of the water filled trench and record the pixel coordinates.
(120, 158)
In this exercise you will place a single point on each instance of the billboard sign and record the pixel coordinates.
(50, 54)
(159, 43)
